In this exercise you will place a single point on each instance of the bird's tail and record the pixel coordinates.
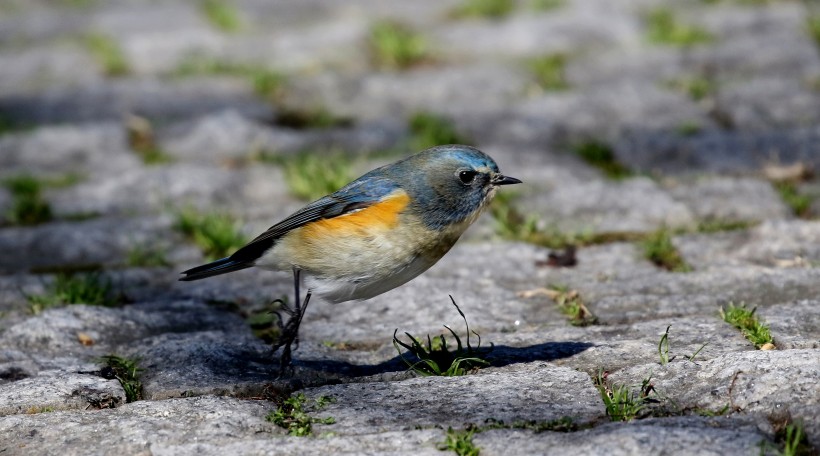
(214, 268)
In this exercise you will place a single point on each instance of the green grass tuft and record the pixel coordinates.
(800, 204)
(395, 46)
(89, 288)
(659, 249)
(620, 402)
(311, 176)
(747, 322)
(293, 417)
(662, 27)
(221, 14)
(550, 71)
(265, 81)
(570, 304)
(28, 206)
(108, 54)
(143, 256)
(695, 87)
(547, 5)
(127, 372)
(141, 140)
(601, 156)
(460, 442)
(436, 358)
(793, 440)
(216, 234)
(813, 28)
(487, 9)
(429, 130)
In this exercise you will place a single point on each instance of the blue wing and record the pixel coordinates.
(363, 192)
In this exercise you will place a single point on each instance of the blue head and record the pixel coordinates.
(448, 184)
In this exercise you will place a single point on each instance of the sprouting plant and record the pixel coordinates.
(460, 442)
(396, 46)
(659, 249)
(90, 289)
(429, 130)
(216, 234)
(292, 416)
(28, 206)
(435, 358)
(621, 403)
(126, 371)
(747, 322)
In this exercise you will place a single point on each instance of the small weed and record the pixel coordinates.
(487, 9)
(125, 370)
(429, 130)
(264, 323)
(89, 289)
(693, 355)
(141, 140)
(143, 256)
(222, 15)
(601, 156)
(800, 204)
(310, 118)
(688, 128)
(813, 28)
(9, 124)
(712, 413)
(747, 322)
(571, 305)
(396, 47)
(663, 347)
(722, 225)
(265, 82)
(108, 54)
(793, 439)
(35, 410)
(659, 249)
(696, 87)
(621, 403)
(293, 417)
(550, 71)
(28, 206)
(547, 5)
(313, 175)
(460, 442)
(437, 359)
(663, 28)
(215, 234)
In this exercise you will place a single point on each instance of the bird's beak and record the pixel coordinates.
(500, 179)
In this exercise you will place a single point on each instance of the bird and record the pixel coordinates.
(372, 235)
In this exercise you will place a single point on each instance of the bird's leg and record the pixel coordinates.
(289, 330)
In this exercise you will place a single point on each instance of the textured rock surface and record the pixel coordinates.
(203, 114)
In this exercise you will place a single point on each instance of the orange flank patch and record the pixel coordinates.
(378, 217)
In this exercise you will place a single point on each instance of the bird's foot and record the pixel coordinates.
(288, 333)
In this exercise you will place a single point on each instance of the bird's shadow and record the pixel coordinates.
(500, 355)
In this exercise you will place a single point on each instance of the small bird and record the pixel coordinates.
(374, 234)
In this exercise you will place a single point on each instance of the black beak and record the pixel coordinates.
(500, 179)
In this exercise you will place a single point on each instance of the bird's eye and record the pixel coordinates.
(467, 176)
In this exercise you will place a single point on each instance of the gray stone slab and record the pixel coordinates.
(751, 382)
(730, 198)
(54, 390)
(680, 435)
(793, 325)
(136, 427)
(535, 391)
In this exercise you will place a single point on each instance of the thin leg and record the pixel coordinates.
(289, 330)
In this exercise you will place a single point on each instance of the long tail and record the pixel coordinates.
(217, 267)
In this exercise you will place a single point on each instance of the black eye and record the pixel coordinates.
(467, 176)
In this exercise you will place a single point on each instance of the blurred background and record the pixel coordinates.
(158, 134)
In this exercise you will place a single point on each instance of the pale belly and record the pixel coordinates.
(361, 263)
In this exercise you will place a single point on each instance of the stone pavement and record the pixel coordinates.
(696, 120)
